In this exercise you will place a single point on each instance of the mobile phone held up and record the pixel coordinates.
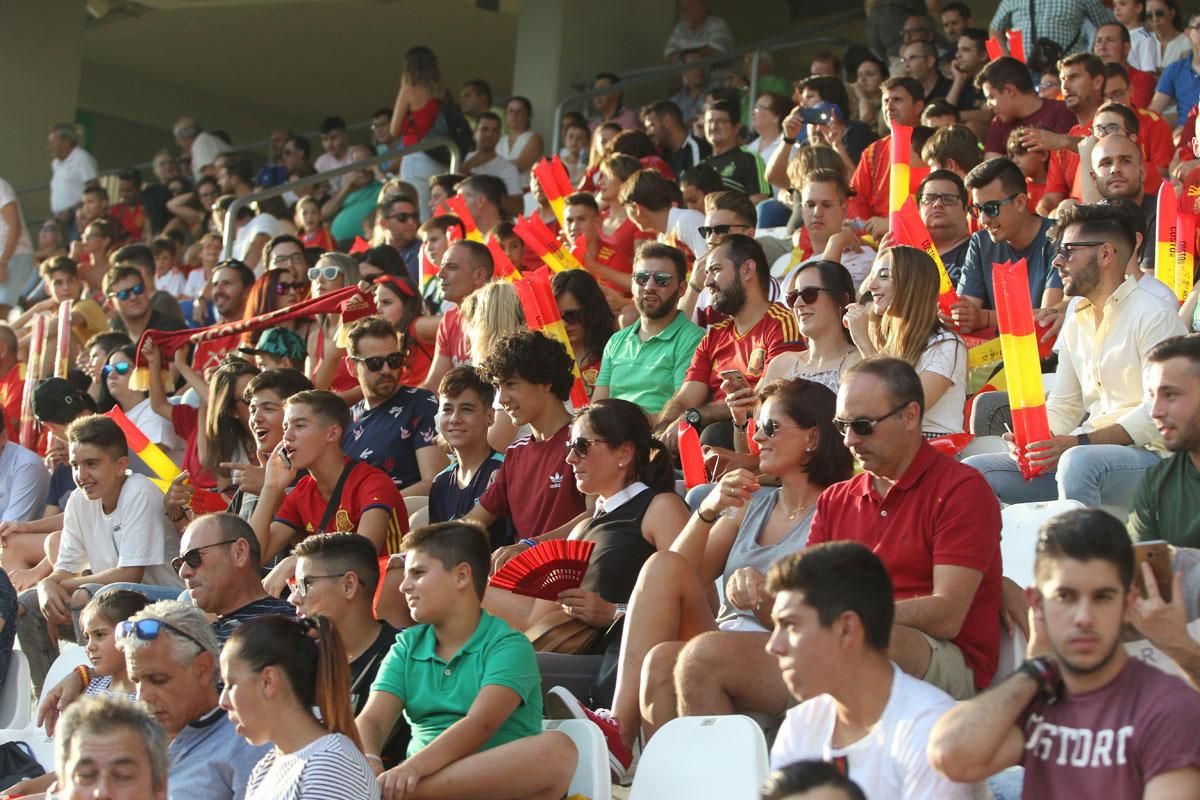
(816, 116)
(1157, 554)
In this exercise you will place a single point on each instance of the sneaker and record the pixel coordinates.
(561, 704)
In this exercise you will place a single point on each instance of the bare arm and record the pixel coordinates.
(1178, 785)
(114, 575)
(377, 719)
(430, 461)
(977, 738)
(1159, 103)
(690, 395)
(491, 707)
(374, 525)
(941, 613)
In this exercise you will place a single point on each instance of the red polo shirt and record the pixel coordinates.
(939, 512)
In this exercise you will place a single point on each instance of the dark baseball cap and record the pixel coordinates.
(278, 342)
(60, 401)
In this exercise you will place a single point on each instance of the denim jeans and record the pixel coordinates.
(1095, 475)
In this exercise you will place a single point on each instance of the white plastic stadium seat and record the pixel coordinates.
(70, 656)
(16, 696)
(703, 758)
(592, 778)
(1018, 535)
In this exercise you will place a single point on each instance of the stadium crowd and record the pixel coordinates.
(267, 489)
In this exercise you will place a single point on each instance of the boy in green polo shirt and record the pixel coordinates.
(467, 683)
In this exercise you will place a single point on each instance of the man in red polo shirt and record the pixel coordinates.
(935, 525)
(755, 330)
(903, 101)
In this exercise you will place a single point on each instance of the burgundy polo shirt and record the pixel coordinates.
(939, 512)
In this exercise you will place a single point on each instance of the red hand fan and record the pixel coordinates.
(546, 570)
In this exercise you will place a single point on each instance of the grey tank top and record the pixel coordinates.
(746, 552)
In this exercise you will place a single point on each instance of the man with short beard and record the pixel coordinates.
(646, 363)
(231, 282)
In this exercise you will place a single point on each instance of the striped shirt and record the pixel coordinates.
(330, 768)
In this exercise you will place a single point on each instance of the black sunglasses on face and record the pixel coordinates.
(375, 363)
(149, 629)
(194, 556)
(864, 426)
(580, 445)
(121, 368)
(718, 230)
(808, 294)
(572, 316)
(1064, 250)
(283, 287)
(770, 427)
(991, 208)
(303, 586)
(124, 294)
(660, 278)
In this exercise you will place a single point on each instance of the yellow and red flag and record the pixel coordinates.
(429, 270)
(458, 207)
(899, 177)
(541, 314)
(1185, 251)
(33, 372)
(1022, 367)
(1165, 255)
(537, 236)
(148, 451)
(551, 175)
(503, 267)
(908, 229)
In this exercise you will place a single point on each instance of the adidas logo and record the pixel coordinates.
(556, 481)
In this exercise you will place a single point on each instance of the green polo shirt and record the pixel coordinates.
(649, 373)
(1165, 503)
(437, 694)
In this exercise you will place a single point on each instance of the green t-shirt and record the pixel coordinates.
(649, 373)
(437, 694)
(355, 207)
(1166, 502)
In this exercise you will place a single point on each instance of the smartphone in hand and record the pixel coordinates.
(1156, 553)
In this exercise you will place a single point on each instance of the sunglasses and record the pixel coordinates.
(573, 316)
(402, 216)
(580, 445)
(301, 588)
(660, 278)
(707, 231)
(864, 426)
(770, 427)
(1064, 250)
(933, 198)
(194, 556)
(121, 368)
(328, 273)
(149, 629)
(283, 287)
(991, 208)
(375, 363)
(137, 289)
(808, 294)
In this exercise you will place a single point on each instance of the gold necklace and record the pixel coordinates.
(800, 509)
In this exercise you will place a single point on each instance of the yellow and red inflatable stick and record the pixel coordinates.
(33, 372)
(691, 456)
(537, 236)
(503, 265)
(458, 207)
(908, 229)
(1022, 367)
(899, 188)
(551, 175)
(541, 314)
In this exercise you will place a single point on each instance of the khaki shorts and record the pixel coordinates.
(948, 670)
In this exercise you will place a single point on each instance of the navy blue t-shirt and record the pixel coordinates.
(62, 483)
(982, 252)
(448, 500)
(389, 435)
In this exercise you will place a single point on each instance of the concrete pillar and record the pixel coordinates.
(41, 55)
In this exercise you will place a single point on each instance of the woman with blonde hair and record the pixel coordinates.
(489, 313)
(900, 319)
(333, 271)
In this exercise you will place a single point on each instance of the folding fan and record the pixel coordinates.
(546, 570)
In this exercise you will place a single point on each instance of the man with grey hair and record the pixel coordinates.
(108, 740)
(171, 654)
(202, 146)
(72, 168)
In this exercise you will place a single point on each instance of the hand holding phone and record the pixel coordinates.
(736, 378)
(1156, 553)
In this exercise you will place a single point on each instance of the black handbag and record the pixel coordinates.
(17, 764)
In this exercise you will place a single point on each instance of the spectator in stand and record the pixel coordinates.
(1008, 89)
(825, 236)
(274, 172)
(598, 256)
(738, 278)
(649, 201)
(112, 742)
(73, 169)
(1081, 680)
(418, 104)
(353, 198)
(903, 99)
(694, 86)
(1143, 54)
(520, 145)
(200, 146)
(400, 217)
(23, 478)
(969, 57)
(942, 204)
(920, 64)
(1082, 77)
(574, 152)
(695, 184)
(1179, 84)
(126, 289)
(1118, 172)
(12, 383)
(666, 125)
(465, 267)
(1152, 134)
(393, 426)
(1165, 496)
(740, 168)
(277, 673)
(1010, 232)
(169, 277)
(901, 322)
(276, 289)
(478, 733)
(645, 362)
(618, 226)
(475, 98)
(1166, 22)
(96, 352)
(952, 147)
(855, 704)
(766, 120)
(17, 273)
(335, 141)
(1102, 436)
(1062, 22)
(115, 391)
(697, 31)
(1034, 165)
(142, 257)
(114, 527)
(588, 320)
(608, 106)
(891, 25)
(398, 302)
(1112, 45)
(94, 250)
(129, 214)
(486, 160)
(310, 225)
(485, 197)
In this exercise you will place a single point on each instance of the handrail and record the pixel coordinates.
(274, 191)
(641, 76)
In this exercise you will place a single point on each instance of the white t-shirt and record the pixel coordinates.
(158, 429)
(205, 150)
(684, 224)
(1143, 53)
(23, 483)
(173, 283)
(946, 355)
(330, 768)
(511, 154)
(327, 161)
(194, 285)
(70, 174)
(24, 244)
(262, 223)
(502, 168)
(890, 761)
(136, 534)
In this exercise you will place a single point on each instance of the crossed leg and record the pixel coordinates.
(533, 768)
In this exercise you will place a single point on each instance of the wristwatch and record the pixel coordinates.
(1082, 438)
(1045, 673)
(789, 140)
(692, 417)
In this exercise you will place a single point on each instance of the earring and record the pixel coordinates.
(620, 465)
(810, 449)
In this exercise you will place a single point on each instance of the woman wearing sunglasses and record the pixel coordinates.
(277, 672)
(588, 319)
(670, 602)
(900, 320)
(399, 302)
(274, 289)
(1166, 21)
(114, 376)
(333, 271)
